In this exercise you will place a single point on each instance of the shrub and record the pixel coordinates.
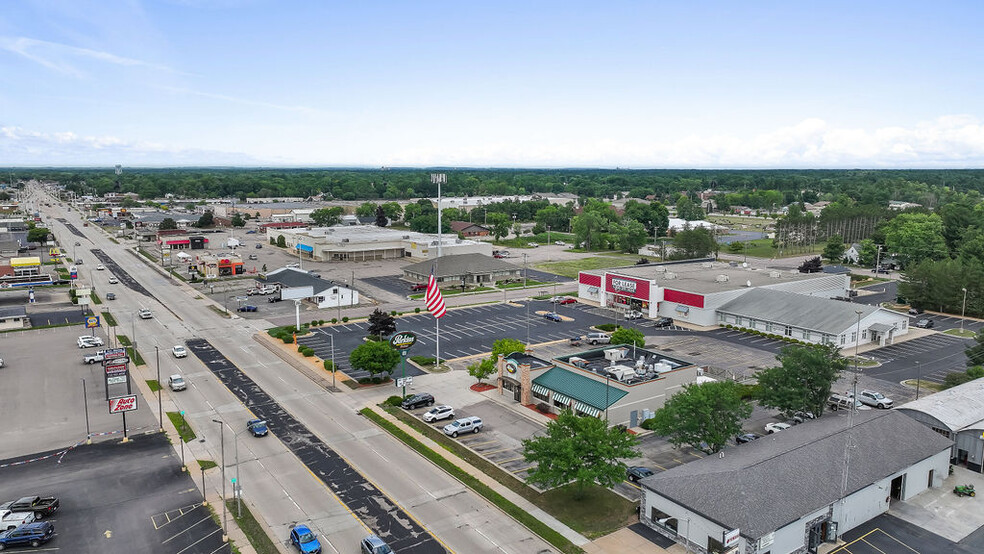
(329, 366)
(288, 339)
(543, 408)
(307, 352)
(345, 319)
(423, 360)
(609, 327)
(393, 313)
(649, 424)
(416, 310)
(393, 401)
(334, 320)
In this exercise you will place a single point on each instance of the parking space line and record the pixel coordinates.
(521, 469)
(200, 540)
(506, 461)
(186, 529)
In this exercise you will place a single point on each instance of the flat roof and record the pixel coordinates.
(647, 365)
(371, 233)
(704, 277)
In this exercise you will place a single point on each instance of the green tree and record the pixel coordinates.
(686, 209)
(628, 335)
(833, 252)
(393, 210)
(703, 415)
(326, 217)
(869, 253)
(381, 324)
(631, 236)
(237, 220)
(914, 237)
(481, 369)
(736, 247)
(803, 380)
(374, 357)
(694, 243)
(281, 241)
(38, 235)
(506, 347)
(588, 229)
(578, 449)
(206, 220)
(500, 225)
(975, 353)
(129, 203)
(366, 209)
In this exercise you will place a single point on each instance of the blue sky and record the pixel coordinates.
(522, 84)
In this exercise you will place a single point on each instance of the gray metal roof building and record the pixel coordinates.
(809, 312)
(956, 413)
(467, 268)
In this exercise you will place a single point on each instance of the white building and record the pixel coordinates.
(693, 291)
(676, 224)
(797, 489)
(957, 414)
(324, 294)
(369, 242)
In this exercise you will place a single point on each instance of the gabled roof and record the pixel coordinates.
(290, 278)
(460, 264)
(960, 407)
(741, 489)
(459, 226)
(799, 310)
(580, 387)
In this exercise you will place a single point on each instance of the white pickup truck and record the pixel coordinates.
(94, 358)
(10, 520)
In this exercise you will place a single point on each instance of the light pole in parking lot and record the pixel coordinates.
(918, 378)
(85, 404)
(225, 535)
(963, 310)
(857, 344)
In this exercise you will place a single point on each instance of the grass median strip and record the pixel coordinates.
(154, 385)
(520, 515)
(251, 528)
(185, 430)
(109, 319)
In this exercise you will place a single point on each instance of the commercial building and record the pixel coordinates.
(368, 242)
(463, 269)
(211, 266)
(797, 489)
(299, 284)
(469, 229)
(957, 414)
(14, 317)
(623, 384)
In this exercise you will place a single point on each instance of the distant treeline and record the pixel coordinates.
(747, 187)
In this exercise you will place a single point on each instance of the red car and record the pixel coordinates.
(568, 300)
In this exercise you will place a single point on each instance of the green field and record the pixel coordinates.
(569, 268)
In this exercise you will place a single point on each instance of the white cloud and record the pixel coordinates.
(63, 58)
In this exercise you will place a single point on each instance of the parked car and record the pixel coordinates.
(293, 266)
(12, 520)
(663, 322)
(416, 287)
(915, 311)
(746, 437)
(776, 427)
(251, 232)
(246, 308)
(258, 246)
(924, 323)
(633, 314)
(41, 506)
(417, 401)
(532, 244)
(837, 402)
(598, 338)
(553, 316)
(179, 351)
(34, 534)
(100, 267)
(568, 300)
(144, 313)
(305, 540)
(880, 270)
(374, 545)
(176, 382)
(638, 472)
(253, 257)
(471, 424)
(98, 357)
(804, 415)
(438, 413)
(274, 299)
(89, 341)
(557, 299)
(78, 261)
(257, 427)
(875, 399)
(113, 280)
(560, 243)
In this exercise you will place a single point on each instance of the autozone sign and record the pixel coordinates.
(623, 285)
(123, 404)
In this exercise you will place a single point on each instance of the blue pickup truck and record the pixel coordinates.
(34, 534)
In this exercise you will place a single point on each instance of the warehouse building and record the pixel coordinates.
(367, 242)
(957, 414)
(808, 485)
(463, 270)
(297, 283)
(693, 291)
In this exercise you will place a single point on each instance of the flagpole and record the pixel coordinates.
(438, 178)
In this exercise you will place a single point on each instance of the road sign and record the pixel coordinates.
(91, 322)
(404, 381)
(112, 353)
(116, 379)
(403, 341)
(122, 404)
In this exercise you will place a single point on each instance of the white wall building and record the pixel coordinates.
(796, 490)
(957, 414)
(324, 294)
(368, 242)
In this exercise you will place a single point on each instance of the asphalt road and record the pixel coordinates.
(120, 273)
(387, 520)
(113, 499)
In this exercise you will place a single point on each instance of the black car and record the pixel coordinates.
(274, 299)
(417, 401)
(747, 437)
(638, 472)
(924, 323)
(246, 308)
(663, 322)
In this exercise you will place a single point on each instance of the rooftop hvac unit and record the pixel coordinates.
(616, 354)
(775, 274)
(670, 275)
(621, 372)
(721, 278)
(663, 367)
(578, 362)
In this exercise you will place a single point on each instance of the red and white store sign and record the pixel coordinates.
(627, 286)
(123, 404)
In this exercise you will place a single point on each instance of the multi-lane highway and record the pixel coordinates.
(415, 505)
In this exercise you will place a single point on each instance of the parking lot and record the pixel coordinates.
(112, 497)
(889, 534)
(931, 357)
(41, 388)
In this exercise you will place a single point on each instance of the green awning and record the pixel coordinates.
(571, 385)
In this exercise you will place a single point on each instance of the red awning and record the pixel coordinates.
(186, 241)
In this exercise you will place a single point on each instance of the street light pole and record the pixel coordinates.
(333, 367)
(963, 310)
(918, 378)
(857, 344)
(160, 409)
(85, 404)
(225, 534)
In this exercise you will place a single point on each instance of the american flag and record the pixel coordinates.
(433, 298)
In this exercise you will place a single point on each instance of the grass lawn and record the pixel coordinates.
(185, 430)
(207, 464)
(251, 528)
(154, 385)
(924, 385)
(570, 268)
(519, 285)
(967, 334)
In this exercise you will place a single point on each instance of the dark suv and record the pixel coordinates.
(34, 534)
(417, 401)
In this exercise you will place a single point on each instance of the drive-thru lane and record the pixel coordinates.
(374, 508)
